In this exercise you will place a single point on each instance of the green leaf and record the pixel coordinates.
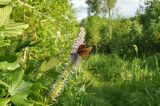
(4, 101)
(22, 86)
(48, 65)
(8, 66)
(14, 29)
(20, 100)
(18, 85)
(5, 15)
(22, 45)
(5, 2)
(3, 83)
(4, 42)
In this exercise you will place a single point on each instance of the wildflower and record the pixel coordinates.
(69, 71)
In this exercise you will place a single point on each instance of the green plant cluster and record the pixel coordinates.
(36, 37)
(125, 68)
(109, 80)
(121, 35)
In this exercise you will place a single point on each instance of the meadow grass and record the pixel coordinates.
(108, 80)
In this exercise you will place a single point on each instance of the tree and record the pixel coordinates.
(151, 25)
(101, 7)
(92, 25)
(108, 6)
(94, 7)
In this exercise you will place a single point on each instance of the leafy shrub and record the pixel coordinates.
(27, 49)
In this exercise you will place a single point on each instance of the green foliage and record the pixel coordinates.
(30, 36)
(16, 88)
(5, 2)
(4, 101)
(20, 100)
(99, 32)
(5, 15)
(36, 37)
(111, 81)
(94, 7)
(18, 85)
(126, 35)
(151, 26)
(51, 25)
(108, 80)
(92, 25)
(103, 33)
(9, 66)
(119, 35)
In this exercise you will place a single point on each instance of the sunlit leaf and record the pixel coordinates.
(18, 85)
(20, 100)
(3, 83)
(5, 2)
(14, 29)
(4, 101)
(8, 66)
(4, 42)
(5, 15)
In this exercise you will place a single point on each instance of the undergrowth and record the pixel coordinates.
(108, 80)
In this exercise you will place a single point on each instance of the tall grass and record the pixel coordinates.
(111, 81)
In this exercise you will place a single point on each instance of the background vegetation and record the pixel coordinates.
(36, 37)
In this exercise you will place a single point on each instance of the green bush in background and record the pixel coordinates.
(120, 34)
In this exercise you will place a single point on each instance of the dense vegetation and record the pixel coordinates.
(36, 37)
